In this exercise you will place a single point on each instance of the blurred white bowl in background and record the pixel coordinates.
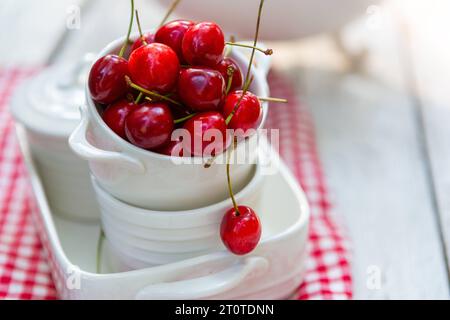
(282, 19)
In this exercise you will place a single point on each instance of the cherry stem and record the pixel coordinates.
(267, 52)
(248, 78)
(228, 49)
(255, 41)
(236, 106)
(230, 72)
(270, 99)
(99, 250)
(172, 7)
(127, 40)
(230, 188)
(138, 21)
(139, 97)
(180, 120)
(150, 93)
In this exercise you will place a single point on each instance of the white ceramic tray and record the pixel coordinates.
(273, 271)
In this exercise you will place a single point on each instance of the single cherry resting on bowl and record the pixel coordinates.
(240, 230)
(173, 79)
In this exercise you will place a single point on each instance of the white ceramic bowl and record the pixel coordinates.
(47, 105)
(273, 271)
(65, 177)
(160, 237)
(282, 19)
(154, 181)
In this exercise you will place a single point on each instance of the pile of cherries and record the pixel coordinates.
(174, 78)
(179, 77)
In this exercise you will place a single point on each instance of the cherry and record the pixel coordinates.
(172, 33)
(203, 44)
(154, 66)
(224, 67)
(248, 113)
(107, 76)
(198, 127)
(179, 113)
(173, 149)
(149, 126)
(115, 115)
(240, 230)
(107, 79)
(201, 89)
(148, 37)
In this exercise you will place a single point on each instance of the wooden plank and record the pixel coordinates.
(367, 139)
(369, 143)
(426, 28)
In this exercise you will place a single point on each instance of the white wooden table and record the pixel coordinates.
(382, 122)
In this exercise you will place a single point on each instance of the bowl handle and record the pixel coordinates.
(85, 150)
(206, 287)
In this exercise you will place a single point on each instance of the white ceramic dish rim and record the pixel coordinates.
(60, 254)
(111, 47)
(164, 235)
(254, 182)
(299, 223)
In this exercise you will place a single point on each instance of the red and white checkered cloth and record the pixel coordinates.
(25, 274)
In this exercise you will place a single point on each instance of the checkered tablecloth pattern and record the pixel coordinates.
(25, 274)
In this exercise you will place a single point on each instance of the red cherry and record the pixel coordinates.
(198, 126)
(222, 67)
(172, 33)
(154, 67)
(249, 113)
(149, 38)
(149, 126)
(201, 89)
(107, 79)
(240, 231)
(115, 115)
(203, 44)
(173, 149)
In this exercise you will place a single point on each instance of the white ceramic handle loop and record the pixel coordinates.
(85, 150)
(205, 287)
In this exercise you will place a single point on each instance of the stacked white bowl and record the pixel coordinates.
(155, 210)
(143, 238)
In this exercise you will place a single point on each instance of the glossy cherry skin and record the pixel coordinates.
(249, 113)
(240, 232)
(149, 38)
(203, 44)
(198, 127)
(201, 89)
(173, 149)
(107, 79)
(154, 67)
(222, 67)
(172, 33)
(115, 115)
(150, 125)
